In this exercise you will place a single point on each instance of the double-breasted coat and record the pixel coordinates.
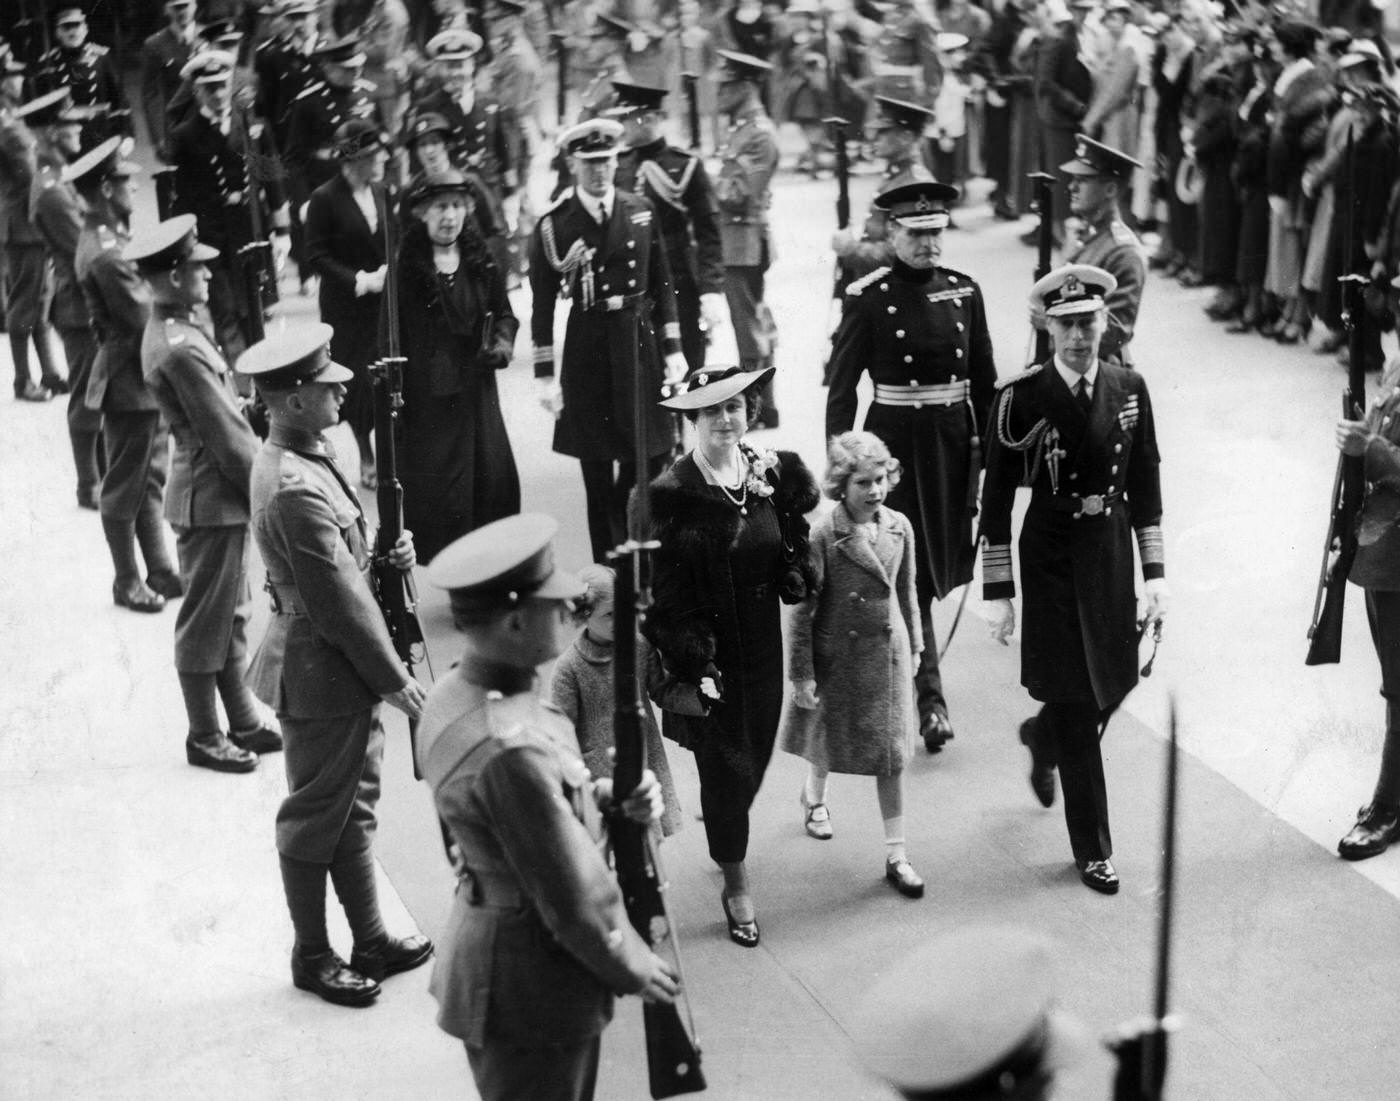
(619, 284)
(1094, 481)
(928, 329)
(90, 74)
(318, 111)
(854, 635)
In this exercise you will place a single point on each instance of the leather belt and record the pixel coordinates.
(285, 598)
(616, 302)
(1093, 504)
(948, 393)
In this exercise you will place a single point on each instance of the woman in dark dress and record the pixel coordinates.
(731, 523)
(456, 330)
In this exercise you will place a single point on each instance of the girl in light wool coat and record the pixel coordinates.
(852, 647)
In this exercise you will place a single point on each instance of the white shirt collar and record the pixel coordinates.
(591, 202)
(1072, 376)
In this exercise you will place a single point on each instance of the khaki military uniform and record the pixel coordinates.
(743, 190)
(1116, 249)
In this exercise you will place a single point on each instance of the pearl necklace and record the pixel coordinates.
(743, 485)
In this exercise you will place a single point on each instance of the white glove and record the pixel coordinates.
(714, 311)
(1157, 597)
(126, 147)
(676, 368)
(551, 397)
(1278, 205)
(281, 249)
(370, 282)
(1002, 620)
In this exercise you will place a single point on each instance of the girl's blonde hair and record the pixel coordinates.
(844, 453)
(598, 583)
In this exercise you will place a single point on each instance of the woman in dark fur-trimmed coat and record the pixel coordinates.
(731, 523)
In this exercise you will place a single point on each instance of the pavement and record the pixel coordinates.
(144, 941)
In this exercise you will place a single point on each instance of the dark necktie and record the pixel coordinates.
(1086, 400)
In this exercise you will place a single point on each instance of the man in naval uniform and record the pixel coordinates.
(324, 666)
(89, 73)
(206, 501)
(602, 248)
(538, 942)
(1079, 432)
(920, 330)
(687, 215)
(333, 98)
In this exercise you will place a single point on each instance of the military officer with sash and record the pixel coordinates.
(324, 666)
(686, 212)
(920, 330)
(1079, 431)
(538, 943)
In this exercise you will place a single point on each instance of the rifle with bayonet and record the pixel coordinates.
(673, 1054)
(838, 128)
(1349, 484)
(1044, 185)
(691, 83)
(561, 62)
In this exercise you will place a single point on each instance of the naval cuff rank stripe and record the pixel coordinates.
(1149, 540)
(544, 354)
(996, 563)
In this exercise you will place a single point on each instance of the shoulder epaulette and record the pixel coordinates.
(957, 276)
(564, 197)
(1019, 376)
(864, 281)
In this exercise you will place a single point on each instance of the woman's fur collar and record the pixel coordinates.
(687, 517)
(418, 276)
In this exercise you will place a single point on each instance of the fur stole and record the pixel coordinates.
(419, 281)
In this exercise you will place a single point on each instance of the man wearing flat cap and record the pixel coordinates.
(89, 73)
(748, 160)
(538, 942)
(687, 215)
(1098, 177)
(920, 330)
(324, 666)
(1079, 431)
(206, 501)
(217, 152)
(134, 436)
(602, 248)
(163, 56)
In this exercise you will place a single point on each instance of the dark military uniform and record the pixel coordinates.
(1116, 249)
(163, 55)
(90, 75)
(283, 72)
(316, 114)
(687, 217)
(750, 158)
(873, 249)
(620, 284)
(922, 336)
(538, 942)
(1094, 481)
(28, 281)
(480, 139)
(206, 501)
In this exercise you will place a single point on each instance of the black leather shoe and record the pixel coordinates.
(1042, 771)
(216, 752)
(136, 597)
(55, 385)
(901, 875)
(329, 977)
(1377, 827)
(1098, 875)
(392, 957)
(937, 731)
(167, 583)
(32, 392)
(262, 740)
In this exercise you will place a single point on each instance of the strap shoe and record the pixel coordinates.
(1377, 826)
(215, 751)
(392, 956)
(329, 977)
(1098, 875)
(901, 875)
(816, 818)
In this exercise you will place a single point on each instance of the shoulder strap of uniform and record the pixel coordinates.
(663, 187)
(856, 288)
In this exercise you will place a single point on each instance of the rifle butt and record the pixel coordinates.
(673, 1061)
(1325, 638)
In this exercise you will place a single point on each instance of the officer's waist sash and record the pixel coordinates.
(947, 393)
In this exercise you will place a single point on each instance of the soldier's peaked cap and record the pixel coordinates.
(167, 245)
(902, 113)
(969, 1015)
(1072, 289)
(1094, 158)
(456, 44)
(503, 563)
(637, 97)
(919, 205)
(220, 30)
(591, 140)
(49, 109)
(739, 66)
(66, 14)
(345, 50)
(292, 359)
(101, 162)
(209, 67)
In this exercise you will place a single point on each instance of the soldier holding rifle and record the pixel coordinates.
(324, 665)
(538, 942)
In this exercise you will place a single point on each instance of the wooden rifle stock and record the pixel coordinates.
(691, 83)
(673, 1055)
(838, 127)
(255, 259)
(1045, 241)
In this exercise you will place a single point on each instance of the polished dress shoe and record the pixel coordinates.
(167, 583)
(742, 933)
(816, 819)
(55, 385)
(937, 731)
(393, 956)
(1042, 771)
(1098, 875)
(136, 596)
(1377, 826)
(328, 976)
(265, 739)
(215, 751)
(901, 875)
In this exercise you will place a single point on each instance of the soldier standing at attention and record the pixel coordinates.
(538, 942)
(602, 248)
(920, 330)
(206, 501)
(136, 440)
(89, 73)
(163, 56)
(750, 158)
(324, 666)
(687, 215)
(1079, 431)
(1098, 176)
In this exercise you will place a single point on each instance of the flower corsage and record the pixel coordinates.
(760, 463)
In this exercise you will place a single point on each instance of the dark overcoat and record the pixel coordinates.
(318, 111)
(1079, 634)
